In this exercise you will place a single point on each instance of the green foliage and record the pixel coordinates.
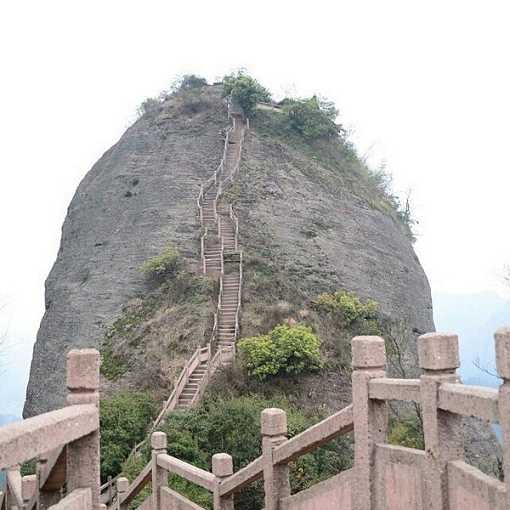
(285, 350)
(123, 419)
(407, 432)
(312, 118)
(28, 468)
(245, 91)
(188, 82)
(167, 263)
(233, 426)
(348, 306)
(111, 365)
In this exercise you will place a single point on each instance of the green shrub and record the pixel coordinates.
(407, 432)
(348, 306)
(111, 366)
(312, 118)
(150, 105)
(188, 82)
(285, 350)
(167, 263)
(123, 419)
(245, 91)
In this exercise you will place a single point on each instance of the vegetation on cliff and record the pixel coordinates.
(284, 350)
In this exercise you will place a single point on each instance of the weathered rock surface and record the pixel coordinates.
(317, 228)
(140, 195)
(305, 227)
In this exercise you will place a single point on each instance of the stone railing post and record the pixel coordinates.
(222, 467)
(83, 459)
(276, 478)
(502, 337)
(159, 475)
(370, 416)
(439, 358)
(28, 488)
(122, 487)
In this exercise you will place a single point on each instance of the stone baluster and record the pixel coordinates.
(122, 487)
(502, 337)
(276, 477)
(28, 488)
(222, 467)
(45, 498)
(159, 475)
(83, 455)
(370, 417)
(439, 358)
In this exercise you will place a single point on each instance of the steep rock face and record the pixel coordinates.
(308, 224)
(140, 195)
(312, 216)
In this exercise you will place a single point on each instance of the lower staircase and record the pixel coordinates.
(190, 391)
(228, 310)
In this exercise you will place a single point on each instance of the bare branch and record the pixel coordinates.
(478, 364)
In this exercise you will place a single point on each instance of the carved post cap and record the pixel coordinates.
(122, 485)
(438, 351)
(222, 464)
(83, 369)
(158, 441)
(273, 422)
(368, 352)
(502, 337)
(28, 487)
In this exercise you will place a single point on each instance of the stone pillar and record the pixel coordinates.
(502, 337)
(439, 358)
(28, 488)
(159, 475)
(222, 467)
(276, 478)
(122, 487)
(83, 460)
(370, 417)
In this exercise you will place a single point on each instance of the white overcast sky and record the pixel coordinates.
(424, 84)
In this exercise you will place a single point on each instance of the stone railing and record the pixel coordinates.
(64, 443)
(384, 476)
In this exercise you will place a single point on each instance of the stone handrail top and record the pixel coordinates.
(23, 441)
(307, 441)
(191, 473)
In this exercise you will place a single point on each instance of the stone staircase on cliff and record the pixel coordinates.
(221, 259)
(192, 387)
(220, 256)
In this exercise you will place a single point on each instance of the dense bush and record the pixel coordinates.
(150, 105)
(408, 432)
(348, 306)
(233, 426)
(188, 82)
(167, 263)
(285, 350)
(111, 365)
(123, 419)
(312, 118)
(245, 91)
